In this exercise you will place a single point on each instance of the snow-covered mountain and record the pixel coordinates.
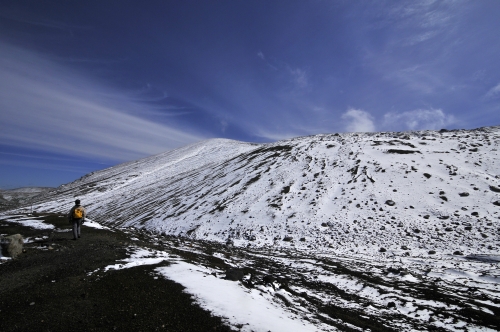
(358, 192)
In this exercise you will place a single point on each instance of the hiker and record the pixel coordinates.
(76, 216)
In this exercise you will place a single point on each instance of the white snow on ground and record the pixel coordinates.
(90, 223)
(254, 309)
(3, 258)
(32, 222)
(139, 257)
(33, 239)
(262, 307)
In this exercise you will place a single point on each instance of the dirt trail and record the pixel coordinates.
(60, 285)
(48, 288)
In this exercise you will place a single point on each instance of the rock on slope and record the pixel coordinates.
(363, 192)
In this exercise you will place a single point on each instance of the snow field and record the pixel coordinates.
(394, 214)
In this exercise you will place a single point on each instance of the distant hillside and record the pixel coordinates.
(357, 192)
(13, 198)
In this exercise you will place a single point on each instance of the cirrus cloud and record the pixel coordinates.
(50, 108)
(493, 92)
(419, 119)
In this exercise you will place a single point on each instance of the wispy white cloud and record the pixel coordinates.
(261, 56)
(37, 21)
(418, 78)
(402, 58)
(299, 77)
(273, 135)
(48, 107)
(424, 19)
(32, 156)
(286, 130)
(223, 125)
(494, 92)
(54, 166)
(419, 119)
(358, 121)
(421, 37)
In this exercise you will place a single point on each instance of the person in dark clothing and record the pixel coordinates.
(76, 216)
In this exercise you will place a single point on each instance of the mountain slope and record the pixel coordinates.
(11, 198)
(418, 191)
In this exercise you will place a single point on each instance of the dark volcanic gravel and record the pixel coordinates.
(50, 289)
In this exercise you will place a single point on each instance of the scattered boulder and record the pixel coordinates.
(288, 238)
(390, 202)
(268, 279)
(464, 194)
(399, 151)
(382, 250)
(458, 253)
(444, 198)
(404, 248)
(432, 252)
(497, 203)
(393, 270)
(12, 245)
(475, 214)
(285, 190)
(234, 274)
(495, 189)
(391, 305)
(427, 175)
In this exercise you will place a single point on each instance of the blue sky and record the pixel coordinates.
(85, 85)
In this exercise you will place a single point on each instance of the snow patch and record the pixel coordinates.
(237, 305)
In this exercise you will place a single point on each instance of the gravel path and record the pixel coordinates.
(50, 287)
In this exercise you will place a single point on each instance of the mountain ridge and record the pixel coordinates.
(353, 192)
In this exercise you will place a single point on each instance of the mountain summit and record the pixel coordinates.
(425, 191)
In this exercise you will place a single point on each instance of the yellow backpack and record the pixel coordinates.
(78, 213)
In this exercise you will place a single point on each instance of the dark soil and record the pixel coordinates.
(49, 288)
